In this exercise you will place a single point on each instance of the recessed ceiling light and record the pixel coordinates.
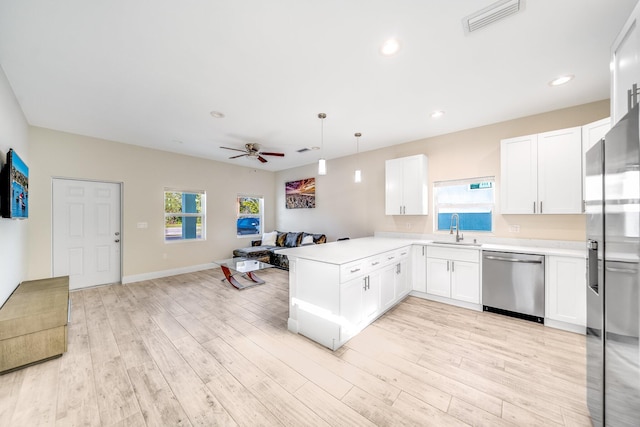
(437, 114)
(561, 80)
(217, 115)
(390, 47)
(315, 148)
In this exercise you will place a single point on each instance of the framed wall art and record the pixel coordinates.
(301, 194)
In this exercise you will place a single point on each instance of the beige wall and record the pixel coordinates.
(144, 174)
(13, 233)
(344, 208)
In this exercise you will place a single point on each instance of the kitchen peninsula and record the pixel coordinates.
(337, 289)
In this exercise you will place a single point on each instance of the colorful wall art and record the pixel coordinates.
(301, 194)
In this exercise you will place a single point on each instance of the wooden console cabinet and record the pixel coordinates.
(33, 323)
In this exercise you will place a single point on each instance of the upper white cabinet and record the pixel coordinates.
(406, 191)
(542, 173)
(625, 65)
(592, 133)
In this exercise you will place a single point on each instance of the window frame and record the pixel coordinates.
(259, 215)
(462, 207)
(201, 214)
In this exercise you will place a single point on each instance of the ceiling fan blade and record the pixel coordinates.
(264, 153)
(262, 159)
(234, 149)
(239, 155)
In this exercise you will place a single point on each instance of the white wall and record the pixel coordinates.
(344, 208)
(145, 173)
(13, 233)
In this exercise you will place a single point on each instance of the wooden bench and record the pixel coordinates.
(33, 323)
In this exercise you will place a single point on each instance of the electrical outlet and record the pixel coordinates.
(514, 229)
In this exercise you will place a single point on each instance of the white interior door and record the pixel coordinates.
(86, 232)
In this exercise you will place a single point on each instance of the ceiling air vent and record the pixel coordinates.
(302, 150)
(492, 13)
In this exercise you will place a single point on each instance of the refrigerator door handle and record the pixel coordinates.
(592, 265)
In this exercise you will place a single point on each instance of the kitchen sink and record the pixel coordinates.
(476, 244)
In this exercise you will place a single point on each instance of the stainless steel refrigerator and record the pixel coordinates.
(612, 195)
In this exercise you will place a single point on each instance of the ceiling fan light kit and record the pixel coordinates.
(252, 150)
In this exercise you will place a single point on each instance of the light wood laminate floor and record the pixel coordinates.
(191, 350)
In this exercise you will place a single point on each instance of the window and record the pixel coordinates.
(472, 199)
(249, 222)
(184, 215)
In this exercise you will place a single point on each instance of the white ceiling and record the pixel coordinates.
(149, 72)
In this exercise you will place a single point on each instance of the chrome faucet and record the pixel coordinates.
(456, 219)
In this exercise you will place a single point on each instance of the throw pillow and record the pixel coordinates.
(292, 240)
(269, 239)
(319, 239)
(307, 240)
(280, 239)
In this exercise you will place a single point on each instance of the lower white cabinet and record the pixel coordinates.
(454, 273)
(419, 267)
(359, 301)
(565, 288)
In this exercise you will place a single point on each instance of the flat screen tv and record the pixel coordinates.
(15, 187)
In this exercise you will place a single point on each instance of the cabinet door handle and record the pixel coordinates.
(375, 263)
(447, 265)
(540, 206)
(398, 268)
(390, 258)
(355, 271)
(423, 251)
(453, 266)
(534, 207)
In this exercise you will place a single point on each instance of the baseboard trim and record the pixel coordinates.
(165, 273)
(565, 326)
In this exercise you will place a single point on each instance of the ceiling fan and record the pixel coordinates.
(253, 150)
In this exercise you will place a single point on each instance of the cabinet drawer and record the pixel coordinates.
(454, 254)
(403, 253)
(374, 262)
(390, 257)
(352, 270)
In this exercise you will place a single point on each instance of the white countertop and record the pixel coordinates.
(352, 250)
(347, 250)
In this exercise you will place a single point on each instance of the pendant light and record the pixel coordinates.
(358, 175)
(322, 163)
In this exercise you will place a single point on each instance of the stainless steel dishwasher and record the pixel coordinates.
(513, 284)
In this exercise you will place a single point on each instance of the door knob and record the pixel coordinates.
(117, 240)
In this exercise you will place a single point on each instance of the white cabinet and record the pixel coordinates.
(406, 191)
(592, 133)
(542, 174)
(439, 277)
(465, 281)
(419, 268)
(402, 277)
(565, 288)
(454, 273)
(625, 65)
(395, 278)
(387, 289)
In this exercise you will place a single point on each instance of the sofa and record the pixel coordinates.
(266, 249)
